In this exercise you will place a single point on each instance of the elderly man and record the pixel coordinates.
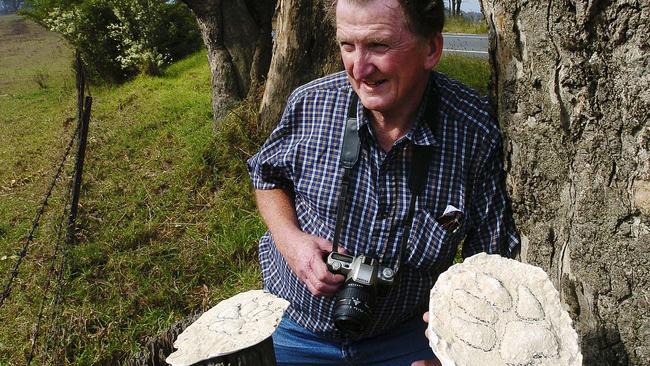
(410, 124)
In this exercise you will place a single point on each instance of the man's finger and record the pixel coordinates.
(323, 244)
(320, 288)
(321, 273)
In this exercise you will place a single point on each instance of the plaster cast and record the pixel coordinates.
(491, 310)
(234, 324)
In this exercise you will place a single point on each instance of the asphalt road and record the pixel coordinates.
(475, 45)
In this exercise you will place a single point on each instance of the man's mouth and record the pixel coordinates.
(372, 83)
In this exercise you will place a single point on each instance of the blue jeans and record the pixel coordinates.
(297, 346)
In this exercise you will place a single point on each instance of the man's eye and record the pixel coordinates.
(379, 47)
(346, 46)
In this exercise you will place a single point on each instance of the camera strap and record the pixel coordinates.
(349, 157)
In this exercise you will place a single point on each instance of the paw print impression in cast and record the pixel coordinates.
(491, 310)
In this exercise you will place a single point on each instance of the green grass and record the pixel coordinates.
(472, 71)
(461, 24)
(167, 221)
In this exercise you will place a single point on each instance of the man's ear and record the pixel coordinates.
(434, 50)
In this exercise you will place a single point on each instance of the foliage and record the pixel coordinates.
(462, 24)
(471, 71)
(119, 38)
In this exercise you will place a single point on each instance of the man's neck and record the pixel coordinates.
(387, 131)
(390, 127)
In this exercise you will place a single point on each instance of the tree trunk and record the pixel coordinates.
(237, 35)
(305, 48)
(458, 7)
(572, 87)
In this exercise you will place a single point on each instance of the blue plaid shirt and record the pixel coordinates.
(302, 157)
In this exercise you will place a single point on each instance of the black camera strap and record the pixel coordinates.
(349, 157)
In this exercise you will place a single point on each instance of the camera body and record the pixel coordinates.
(355, 299)
(360, 269)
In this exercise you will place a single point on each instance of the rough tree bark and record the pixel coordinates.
(237, 34)
(572, 84)
(305, 48)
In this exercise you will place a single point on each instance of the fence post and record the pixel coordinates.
(84, 106)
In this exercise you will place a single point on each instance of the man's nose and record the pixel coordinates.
(363, 66)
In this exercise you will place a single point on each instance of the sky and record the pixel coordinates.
(470, 5)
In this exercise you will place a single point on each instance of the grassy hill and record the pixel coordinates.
(168, 226)
(167, 222)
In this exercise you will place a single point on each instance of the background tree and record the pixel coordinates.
(305, 48)
(10, 6)
(120, 38)
(237, 35)
(572, 87)
(453, 7)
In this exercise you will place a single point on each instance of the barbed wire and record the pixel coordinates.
(35, 223)
(60, 246)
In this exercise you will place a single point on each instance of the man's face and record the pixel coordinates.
(386, 63)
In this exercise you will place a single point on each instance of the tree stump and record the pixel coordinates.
(236, 332)
(261, 354)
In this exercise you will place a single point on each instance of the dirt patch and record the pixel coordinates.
(18, 27)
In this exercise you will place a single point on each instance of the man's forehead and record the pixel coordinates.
(367, 34)
(382, 16)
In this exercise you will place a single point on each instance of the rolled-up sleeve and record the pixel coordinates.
(271, 167)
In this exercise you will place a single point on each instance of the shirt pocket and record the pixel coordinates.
(430, 245)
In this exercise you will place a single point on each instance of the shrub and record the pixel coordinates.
(120, 38)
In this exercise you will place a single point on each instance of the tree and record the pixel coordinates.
(120, 38)
(237, 35)
(453, 7)
(572, 88)
(10, 6)
(304, 49)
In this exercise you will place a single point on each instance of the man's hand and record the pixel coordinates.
(305, 255)
(303, 252)
(433, 362)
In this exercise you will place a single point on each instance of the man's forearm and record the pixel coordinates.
(278, 212)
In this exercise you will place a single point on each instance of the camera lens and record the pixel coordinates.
(352, 310)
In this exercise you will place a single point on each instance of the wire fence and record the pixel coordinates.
(53, 286)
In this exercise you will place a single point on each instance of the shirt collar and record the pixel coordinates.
(427, 117)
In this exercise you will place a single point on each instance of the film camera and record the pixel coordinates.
(355, 299)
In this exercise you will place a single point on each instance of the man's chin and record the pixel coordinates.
(373, 102)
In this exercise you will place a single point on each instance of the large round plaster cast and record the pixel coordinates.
(234, 324)
(491, 310)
